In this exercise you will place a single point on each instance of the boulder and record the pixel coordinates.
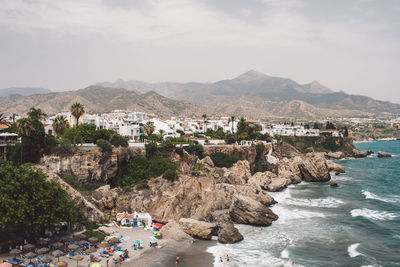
(382, 154)
(278, 184)
(173, 230)
(334, 184)
(313, 168)
(335, 155)
(238, 174)
(248, 211)
(228, 233)
(198, 229)
(261, 179)
(333, 166)
(356, 153)
(310, 149)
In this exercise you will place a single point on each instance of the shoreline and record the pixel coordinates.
(376, 140)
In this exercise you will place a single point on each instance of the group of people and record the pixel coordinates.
(226, 257)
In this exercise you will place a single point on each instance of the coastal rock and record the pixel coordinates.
(207, 162)
(184, 161)
(382, 154)
(335, 155)
(261, 179)
(173, 230)
(333, 166)
(278, 184)
(198, 229)
(334, 184)
(313, 168)
(238, 174)
(283, 149)
(248, 211)
(310, 149)
(228, 233)
(90, 165)
(356, 153)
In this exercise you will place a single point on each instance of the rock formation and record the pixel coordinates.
(356, 153)
(198, 229)
(333, 166)
(173, 230)
(228, 233)
(248, 211)
(382, 154)
(335, 155)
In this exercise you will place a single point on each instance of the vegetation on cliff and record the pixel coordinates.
(319, 143)
(221, 159)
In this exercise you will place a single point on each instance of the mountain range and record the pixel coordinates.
(251, 94)
(24, 91)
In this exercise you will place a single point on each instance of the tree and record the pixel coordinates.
(29, 204)
(149, 128)
(60, 124)
(205, 122)
(77, 110)
(104, 145)
(3, 120)
(161, 131)
(118, 140)
(36, 114)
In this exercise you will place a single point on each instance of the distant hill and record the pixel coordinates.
(24, 91)
(99, 99)
(273, 97)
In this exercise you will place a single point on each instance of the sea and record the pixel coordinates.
(356, 224)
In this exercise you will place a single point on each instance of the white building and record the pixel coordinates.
(132, 130)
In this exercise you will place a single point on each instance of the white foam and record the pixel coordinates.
(329, 202)
(373, 214)
(286, 214)
(369, 195)
(352, 250)
(285, 254)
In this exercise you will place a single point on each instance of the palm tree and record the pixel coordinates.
(24, 127)
(161, 131)
(3, 119)
(149, 128)
(205, 122)
(60, 124)
(77, 110)
(231, 119)
(36, 114)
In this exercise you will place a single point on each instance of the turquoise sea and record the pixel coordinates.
(356, 224)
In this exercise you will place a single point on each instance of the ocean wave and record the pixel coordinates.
(329, 202)
(369, 195)
(285, 254)
(373, 214)
(352, 250)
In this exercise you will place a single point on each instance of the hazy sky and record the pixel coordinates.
(66, 45)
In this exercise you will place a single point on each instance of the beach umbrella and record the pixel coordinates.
(30, 255)
(43, 250)
(104, 245)
(93, 240)
(77, 258)
(157, 225)
(28, 247)
(46, 259)
(96, 264)
(73, 247)
(58, 254)
(61, 264)
(138, 241)
(15, 252)
(58, 244)
(153, 239)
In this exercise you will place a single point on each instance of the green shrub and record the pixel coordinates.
(104, 145)
(196, 150)
(118, 140)
(66, 148)
(221, 159)
(151, 150)
(170, 175)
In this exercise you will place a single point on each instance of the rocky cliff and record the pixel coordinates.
(235, 194)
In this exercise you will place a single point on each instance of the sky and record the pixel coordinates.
(67, 45)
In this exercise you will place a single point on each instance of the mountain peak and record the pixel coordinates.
(252, 74)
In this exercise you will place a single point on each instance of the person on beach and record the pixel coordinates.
(261, 228)
(177, 260)
(227, 257)
(220, 259)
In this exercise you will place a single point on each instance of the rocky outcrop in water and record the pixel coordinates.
(173, 230)
(228, 233)
(382, 154)
(333, 166)
(356, 153)
(245, 210)
(335, 155)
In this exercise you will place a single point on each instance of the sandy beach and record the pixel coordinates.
(191, 254)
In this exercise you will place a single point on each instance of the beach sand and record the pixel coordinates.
(191, 254)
